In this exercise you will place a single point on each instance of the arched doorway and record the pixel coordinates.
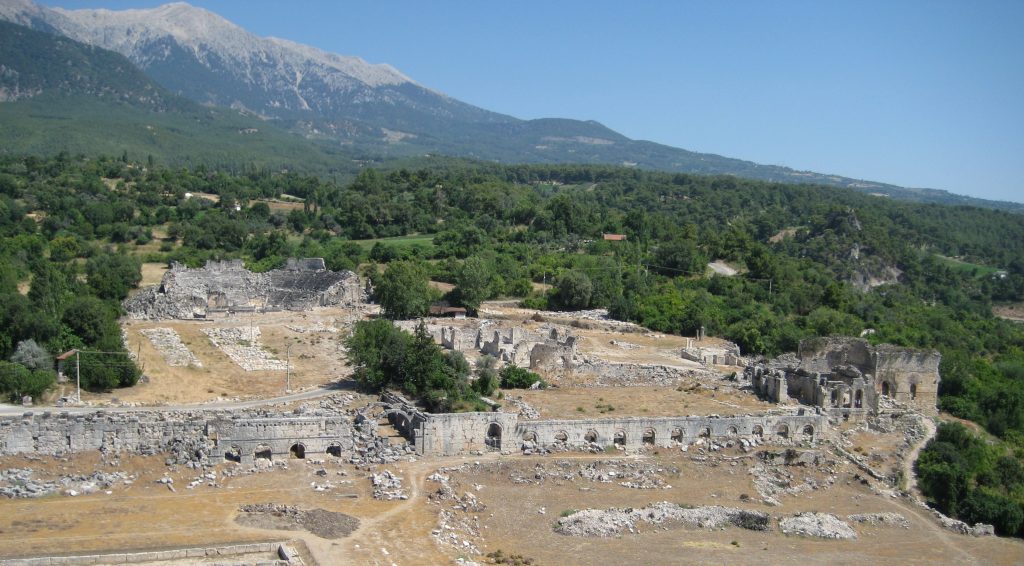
(530, 436)
(858, 399)
(233, 454)
(913, 391)
(263, 452)
(334, 450)
(493, 440)
(591, 436)
(648, 437)
(809, 432)
(620, 438)
(732, 431)
(704, 433)
(677, 435)
(886, 391)
(561, 436)
(835, 398)
(757, 431)
(298, 450)
(782, 431)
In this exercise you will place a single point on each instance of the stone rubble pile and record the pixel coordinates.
(818, 525)
(636, 475)
(881, 519)
(387, 486)
(455, 527)
(242, 345)
(371, 448)
(169, 344)
(21, 483)
(612, 522)
(317, 327)
(526, 411)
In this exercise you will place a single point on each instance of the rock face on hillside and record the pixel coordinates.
(223, 286)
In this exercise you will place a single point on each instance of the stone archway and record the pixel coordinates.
(887, 391)
(233, 454)
(705, 432)
(561, 436)
(591, 436)
(649, 437)
(677, 435)
(530, 436)
(858, 399)
(298, 450)
(620, 438)
(782, 431)
(334, 450)
(732, 431)
(913, 391)
(493, 440)
(263, 452)
(757, 431)
(809, 432)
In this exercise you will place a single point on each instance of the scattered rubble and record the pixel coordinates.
(387, 486)
(881, 519)
(242, 345)
(818, 525)
(169, 344)
(611, 522)
(526, 410)
(22, 483)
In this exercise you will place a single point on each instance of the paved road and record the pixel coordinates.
(17, 410)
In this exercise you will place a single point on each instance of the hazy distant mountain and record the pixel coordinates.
(373, 108)
(57, 94)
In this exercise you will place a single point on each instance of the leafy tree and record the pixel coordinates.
(573, 290)
(32, 355)
(403, 290)
(17, 380)
(111, 275)
(473, 282)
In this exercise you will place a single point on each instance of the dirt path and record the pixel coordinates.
(908, 462)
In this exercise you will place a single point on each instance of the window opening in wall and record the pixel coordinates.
(493, 440)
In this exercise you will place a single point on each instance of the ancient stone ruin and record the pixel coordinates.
(446, 434)
(227, 286)
(850, 377)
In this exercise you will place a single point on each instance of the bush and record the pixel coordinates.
(514, 377)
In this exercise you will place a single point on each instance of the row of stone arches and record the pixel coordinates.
(855, 402)
(265, 452)
(650, 435)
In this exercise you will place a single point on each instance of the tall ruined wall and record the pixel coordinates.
(199, 434)
(910, 376)
(186, 293)
(60, 434)
(246, 436)
(822, 354)
(460, 433)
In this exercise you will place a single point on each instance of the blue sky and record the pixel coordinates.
(914, 93)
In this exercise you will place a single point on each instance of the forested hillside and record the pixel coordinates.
(808, 260)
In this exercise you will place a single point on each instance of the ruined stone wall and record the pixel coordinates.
(911, 376)
(156, 432)
(459, 433)
(846, 375)
(247, 436)
(186, 293)
(60, 434)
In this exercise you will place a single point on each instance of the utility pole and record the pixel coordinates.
(78, 374)
(288, 369)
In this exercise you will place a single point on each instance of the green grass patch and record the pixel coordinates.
(400, 242)
(977, 270)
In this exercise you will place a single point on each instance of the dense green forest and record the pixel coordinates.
(809, 260)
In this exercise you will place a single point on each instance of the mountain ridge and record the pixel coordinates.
(344, 100)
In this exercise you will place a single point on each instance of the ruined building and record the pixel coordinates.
(224, 286)
(850, 377)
